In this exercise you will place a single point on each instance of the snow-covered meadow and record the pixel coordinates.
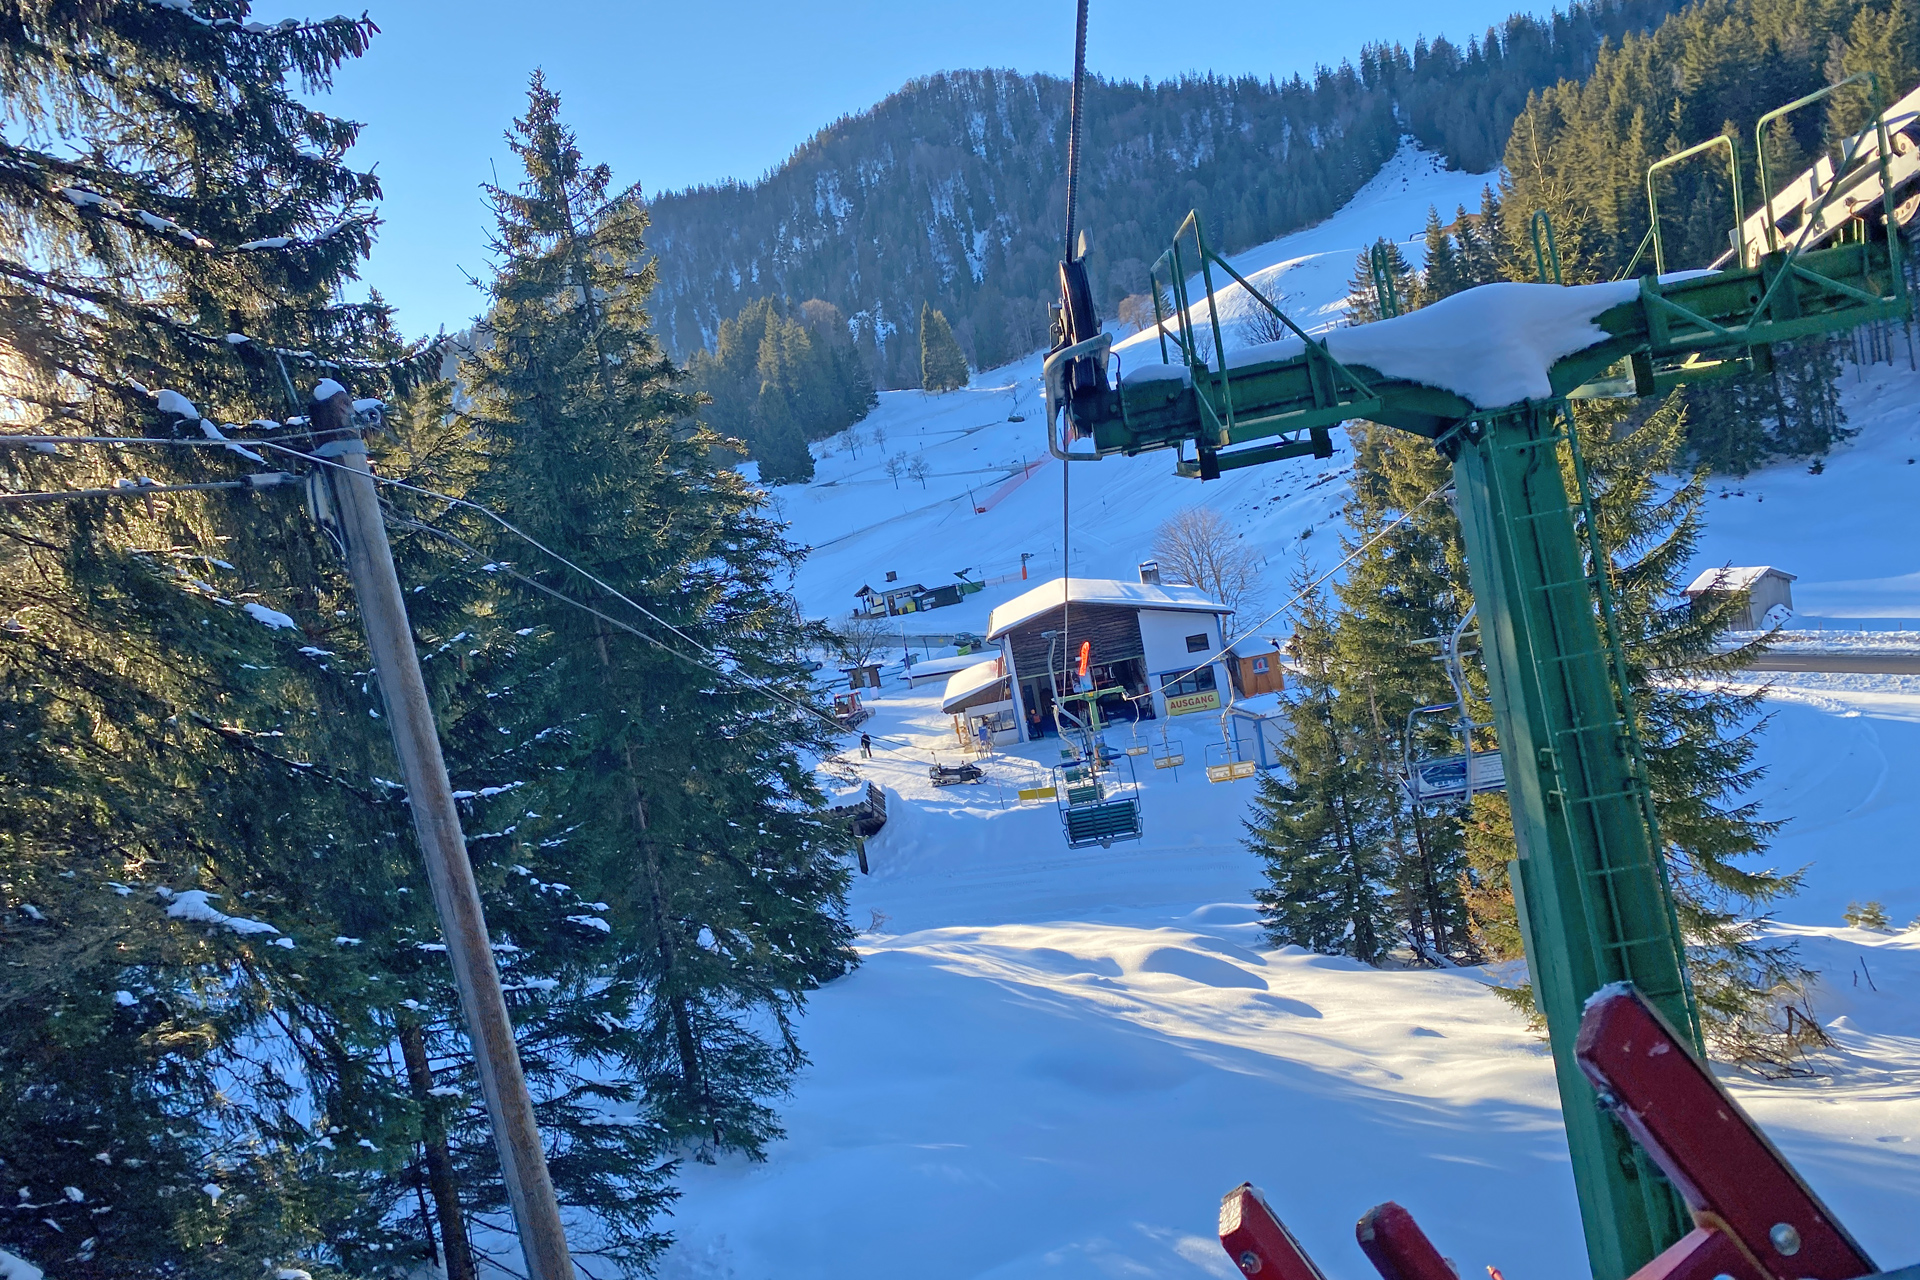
(1053, 1062)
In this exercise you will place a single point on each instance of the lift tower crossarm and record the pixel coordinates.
(1685, 328)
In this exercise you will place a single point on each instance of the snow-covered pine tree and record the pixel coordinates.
(186, 746)
(1321, 822)
(680, 794)
(943, 366)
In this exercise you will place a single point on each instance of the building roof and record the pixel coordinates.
(1110, 591)
(1732, 579)
(974, 686)
(924, 669)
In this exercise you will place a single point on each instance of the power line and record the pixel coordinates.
(740, 677)
(143, 489)
(8, 438)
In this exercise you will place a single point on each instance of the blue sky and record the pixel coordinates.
(673, 94)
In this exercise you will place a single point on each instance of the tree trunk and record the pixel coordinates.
(455, 1252)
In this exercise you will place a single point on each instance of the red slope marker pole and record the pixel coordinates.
(1258, 1242)
(1398, 1248)
(1738, 1185)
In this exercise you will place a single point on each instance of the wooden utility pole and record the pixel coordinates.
(348, 483)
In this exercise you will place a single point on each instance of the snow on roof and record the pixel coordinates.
(1117, 591)
(1732, 579)
(1492, 345)
(927, 668)
(973, 680)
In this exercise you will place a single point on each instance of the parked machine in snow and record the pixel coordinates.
(848, 711)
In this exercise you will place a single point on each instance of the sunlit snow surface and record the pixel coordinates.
(1053, 1063)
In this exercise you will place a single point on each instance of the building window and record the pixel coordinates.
(1197, 644)
(1194, 682)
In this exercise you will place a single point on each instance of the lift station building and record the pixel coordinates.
(1146, 638)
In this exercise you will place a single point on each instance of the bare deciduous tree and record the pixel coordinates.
(858, 638)
(896, 467)
(1199, 547)
(1258, 325)
(918, 470)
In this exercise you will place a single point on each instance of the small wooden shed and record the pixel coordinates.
(1765, 587)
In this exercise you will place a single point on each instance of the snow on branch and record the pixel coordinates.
(87, 200)
(194, 905)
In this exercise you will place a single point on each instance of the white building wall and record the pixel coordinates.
(1163, 642)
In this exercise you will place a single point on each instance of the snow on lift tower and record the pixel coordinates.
(1487, 375)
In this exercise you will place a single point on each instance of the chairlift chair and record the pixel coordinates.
(1168, 754)
(1094, 810)
(1226, 762)
(1431, 779)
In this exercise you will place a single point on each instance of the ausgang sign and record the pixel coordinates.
(1181, 704)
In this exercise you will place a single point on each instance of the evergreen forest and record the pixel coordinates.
(951, 192)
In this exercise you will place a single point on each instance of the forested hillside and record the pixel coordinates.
(951, 192)
(1581, 152)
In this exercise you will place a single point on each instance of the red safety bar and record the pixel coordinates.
(1257, 1241)
(1742, 1192)
(1398, 1248)
(1755, 1219)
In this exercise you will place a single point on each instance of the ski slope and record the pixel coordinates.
(861, 524)
(1052, 1063)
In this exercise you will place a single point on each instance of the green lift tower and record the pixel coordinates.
(1486, 375)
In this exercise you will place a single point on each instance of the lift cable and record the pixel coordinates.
(261, 480)
(735, 676)
(1076, 109)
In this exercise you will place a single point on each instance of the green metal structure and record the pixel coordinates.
(1820, 257)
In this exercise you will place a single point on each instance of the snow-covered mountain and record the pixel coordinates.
(1053, 1062)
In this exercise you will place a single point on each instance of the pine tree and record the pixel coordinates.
(1405, 587)
(783, 366)
(678, 794)
(1363, 298)
(1442, 275)
(1699, 742)
(778, 381)
(943, 366)
(1320, 823)
(184, 742)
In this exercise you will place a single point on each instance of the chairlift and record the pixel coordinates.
(1095, 809)
(1225, 761)
(1135, 746)
(1168, 754)
(1459, 775)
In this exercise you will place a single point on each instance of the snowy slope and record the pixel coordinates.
(862, 524)
(1053, 1062)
